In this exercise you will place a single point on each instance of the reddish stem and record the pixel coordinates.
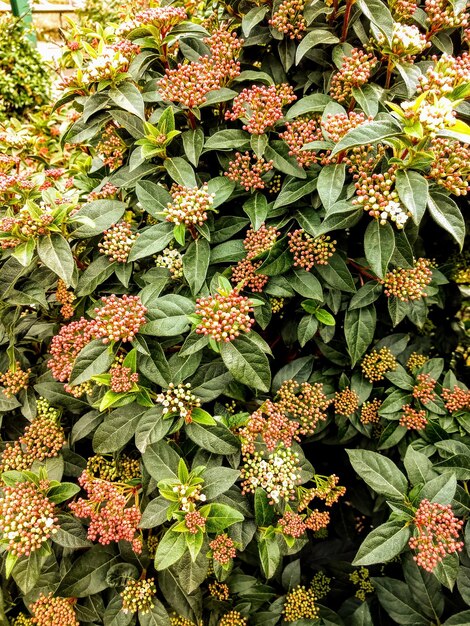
(363, 271)
(347, 15)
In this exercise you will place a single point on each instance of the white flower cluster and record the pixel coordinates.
(394, 211)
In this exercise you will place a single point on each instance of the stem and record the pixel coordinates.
(363, 271)
(332, 17)
(347, 15)
(389, 73)
(192, 119)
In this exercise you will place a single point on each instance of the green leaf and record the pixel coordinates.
(264, 512)
(459, 619)
(424, 588)
(153, 197)
(128, 97)
(180, 171)
(155, 513)
(447, 214)
(61, 493)
(216, 439)
(252, 18)
(379, 472)
(169, 317)
(383, 543)
(379, 15)
(446, 571)
(26, 571)
(418, 466)
(151, 428)
(412, 190)
(170, 549)
(95, 358)
(367, 133)
(54, 251)
(256, 207)
(71, 533)
(359, 329)
(95, 274)
(331, 182)
(278, 261)
(307, 285)
(151, 240)
(441, 489)
(117, 429)
(246, 363)
(340, 216)
(278, 152)
(395, 597)
(221, 516)
(95, 217)
(379, 244)
(270, 555)
(294, 189)
(227, 140)
(308, 104)
(87, 574)
(314, 38)
(337, 274)
(366, 295)
(161, 461)
(306, 329)
(196, 263)
(193, 142)
(157, 616)
(217, 480)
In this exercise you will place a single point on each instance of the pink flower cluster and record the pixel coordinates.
(292, 524)
(27, 518)
(413, 419)
(409, 283)
(244, 276)
(110, 519)
(66, 346)
(248, 173)
(189, 205)
(122, 378)
(261, 107)
(309, 251)
(298, 133)
(355, 71)
(424, 389)
(14, 380)
(289, 19)
(437, 530)
(258, 241)
(50, 611)
(119, 319)
(456, 399)
(224, 316)
(162, 18)
(195, 522)
(188, 84)
(318, 520)
(223, 549)
(306, 403)
(270, 425)
(117, 242)
(451, 166)
(447, 73)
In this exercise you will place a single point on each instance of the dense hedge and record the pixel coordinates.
(232, 320)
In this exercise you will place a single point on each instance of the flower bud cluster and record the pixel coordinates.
(172, 260)
(300, 604)
(433, 116)
(305, 403)
(403, 10)
(110, 519)
(376, 195)
(447, 73)
(277, 304)
(407, 41)
(161, 18)
(258, 241)
(111, 62)
(119, 319)
(377, 363)
(408, 284)
(233, 618)
(14, 380)
(65, 298)
(355, 71)
(437, 530)
(269, 425)
(122, 469)
(138, 595)
(457, 399)
(327, 489)
(289, 19)
(247, 173)
(195, 522)
(180, 621)
(111, 148)
(309, 251)
(225, 316)
(261, 106)
(292, 524)
(413, 419)
(442, 15)
(189, 205)
(178, 399)
(220, 591)
(317, 520)
(451, 166)
(108, 190)
(244, 276)
(122, 378)
(25, 225)
(278, 474)
(370, 412)
(299, 132)
(415, 361)
(22, 620)
(27, 518)
(346, 402)
(223, 549)
(188, 84)
(50, 611)
(424, 389)
(188, 496)
(361, 578)
(321, 585)
(117, 242)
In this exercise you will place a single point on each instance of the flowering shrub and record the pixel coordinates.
(233, 308)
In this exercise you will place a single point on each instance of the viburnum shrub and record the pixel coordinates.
(234, 298)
